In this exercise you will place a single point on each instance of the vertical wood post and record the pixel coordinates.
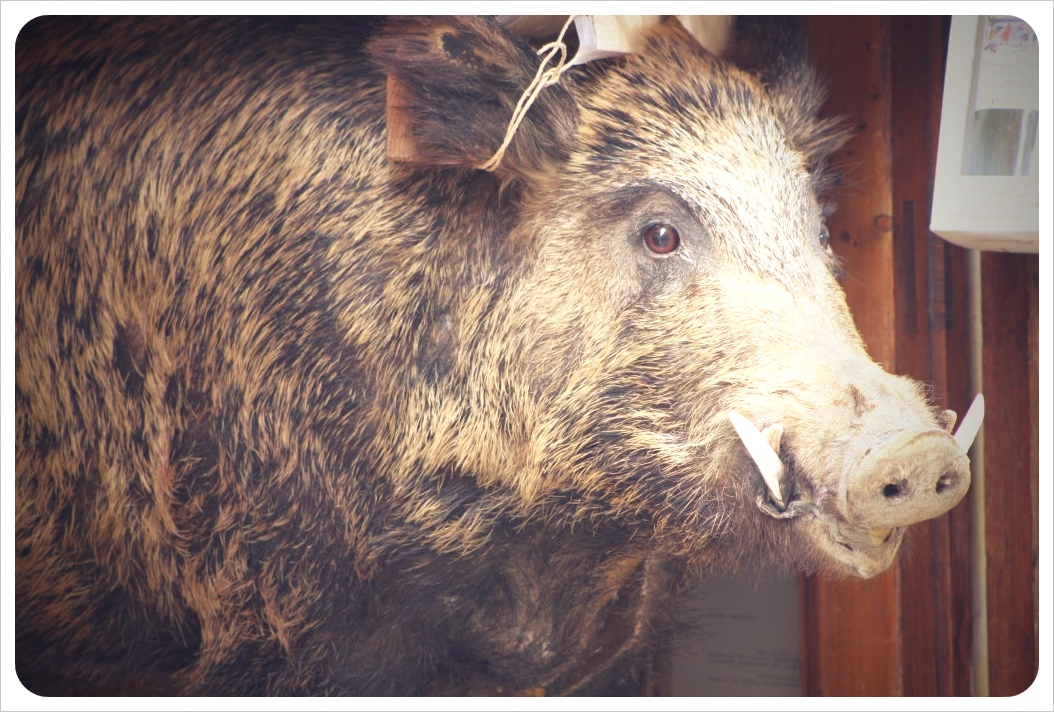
(1010, 305)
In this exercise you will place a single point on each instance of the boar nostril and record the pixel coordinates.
(894, 490)
(945, 482)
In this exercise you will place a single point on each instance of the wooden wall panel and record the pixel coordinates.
(909, 631)
(888, 71)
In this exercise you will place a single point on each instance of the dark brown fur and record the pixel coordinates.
(293, 419)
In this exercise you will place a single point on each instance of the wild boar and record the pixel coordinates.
(295, 418)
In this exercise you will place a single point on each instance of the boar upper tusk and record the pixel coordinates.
(947, 420)
(971, 423)
(762, 452)
(773, 434)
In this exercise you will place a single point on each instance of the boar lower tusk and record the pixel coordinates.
(964, 437)
(762, 452)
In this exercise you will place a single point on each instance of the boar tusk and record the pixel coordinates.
(773, 434)
(760, 447)
(947, 420)
(971, 423)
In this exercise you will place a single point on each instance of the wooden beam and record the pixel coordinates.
(850, 629)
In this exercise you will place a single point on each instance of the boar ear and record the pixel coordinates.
(776, 50)
(453, 85)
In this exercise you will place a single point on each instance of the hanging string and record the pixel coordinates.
(542, 78)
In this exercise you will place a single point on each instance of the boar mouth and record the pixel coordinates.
(865, 552)
(912, 477)
(861, 551)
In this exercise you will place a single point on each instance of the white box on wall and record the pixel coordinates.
(986, 191)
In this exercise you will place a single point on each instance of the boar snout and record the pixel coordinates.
(911, 477)
(883, 479)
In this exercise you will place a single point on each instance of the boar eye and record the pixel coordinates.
(660, 238)
(825, 236)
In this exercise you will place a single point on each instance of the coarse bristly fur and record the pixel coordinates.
(293, 418)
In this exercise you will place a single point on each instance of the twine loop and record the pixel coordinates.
(542, 78)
